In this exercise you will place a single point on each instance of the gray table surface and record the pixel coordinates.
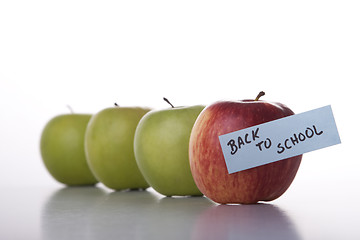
(304, 212)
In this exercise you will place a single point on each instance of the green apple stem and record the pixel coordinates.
(116, 105)
(166, 100)
(259, 95)
(70, 108)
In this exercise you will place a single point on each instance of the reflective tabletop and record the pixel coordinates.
(97, 213)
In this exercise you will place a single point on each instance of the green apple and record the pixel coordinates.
(109, 147)
(62, 149)
(161, 147)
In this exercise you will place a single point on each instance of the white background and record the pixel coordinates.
(90, 54)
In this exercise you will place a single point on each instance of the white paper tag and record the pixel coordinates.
(279, 139)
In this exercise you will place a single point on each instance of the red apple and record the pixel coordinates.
(207, 163)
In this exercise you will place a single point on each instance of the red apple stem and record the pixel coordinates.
(259, 95)
(166, 100)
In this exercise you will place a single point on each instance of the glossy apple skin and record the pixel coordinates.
(62, 149)
(162, 150)
(207, 163)
(109, 147)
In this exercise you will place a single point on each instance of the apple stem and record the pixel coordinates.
(70, 108)
(259, 95)
(166, 100)
(116, 105)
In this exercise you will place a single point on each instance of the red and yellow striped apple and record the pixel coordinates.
(207, 163)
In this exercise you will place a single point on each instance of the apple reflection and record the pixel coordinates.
(258, 221)
(122, 215)
(65, 214)
(174, 217)
(143, 215)
(93, 213)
